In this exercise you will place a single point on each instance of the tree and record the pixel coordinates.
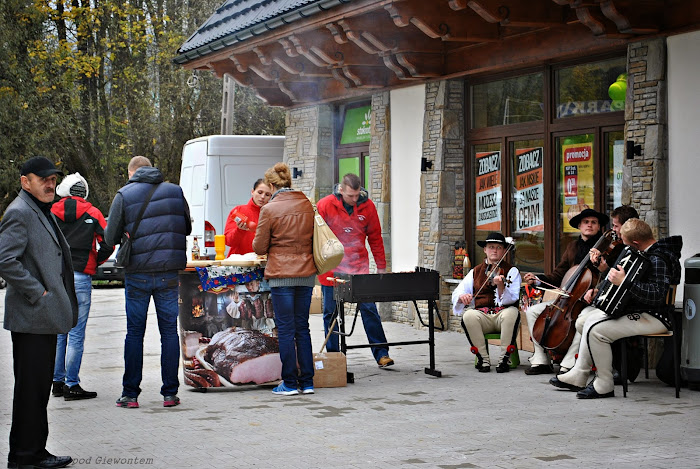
(91, 83)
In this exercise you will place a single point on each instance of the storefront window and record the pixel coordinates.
(527, 158)
(351, 164)
(353, 127)
(487, 200)
(591, 88)
(576, 183)
(615, 148)
(509, 101)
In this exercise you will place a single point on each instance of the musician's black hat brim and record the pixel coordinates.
(603, 219)
(494, 237)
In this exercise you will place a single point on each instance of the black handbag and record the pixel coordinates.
(124, 253)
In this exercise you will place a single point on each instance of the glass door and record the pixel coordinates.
(488, 197)
(527, 203)
(576, 178)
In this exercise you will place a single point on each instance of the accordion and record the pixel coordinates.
(613, 298)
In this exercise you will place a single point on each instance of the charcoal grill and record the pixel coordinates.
(423, 284)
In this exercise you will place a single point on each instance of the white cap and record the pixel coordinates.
(73, 184)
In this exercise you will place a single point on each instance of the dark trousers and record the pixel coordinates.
(34, 356)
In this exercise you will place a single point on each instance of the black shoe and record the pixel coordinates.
(539, 370)
(73, 393)
(484, 368)
(50, 461)
(617, 379)
(589, 392)
(503, 367)
(554, 381)
(58, 389)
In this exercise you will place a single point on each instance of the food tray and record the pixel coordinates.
(203, 263)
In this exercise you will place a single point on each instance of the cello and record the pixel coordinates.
(554, 329)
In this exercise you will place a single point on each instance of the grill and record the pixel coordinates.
(423, 284)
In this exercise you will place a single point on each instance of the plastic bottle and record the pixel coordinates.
(195, 249)
(467, 263)
(239, 217)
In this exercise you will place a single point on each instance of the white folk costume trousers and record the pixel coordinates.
(478, 324)
(599, 331)
(540, 357)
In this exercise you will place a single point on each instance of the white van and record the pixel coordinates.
(217, 174)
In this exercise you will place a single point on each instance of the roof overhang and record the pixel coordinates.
(338, 49)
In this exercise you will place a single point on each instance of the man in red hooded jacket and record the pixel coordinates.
(353, 218)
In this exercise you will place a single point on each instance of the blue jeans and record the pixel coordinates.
(291, 306)
(69, 347)
(370, 319)
(138, 289)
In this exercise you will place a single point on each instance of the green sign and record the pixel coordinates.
(356, 127)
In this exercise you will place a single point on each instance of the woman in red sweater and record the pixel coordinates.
(239, 235)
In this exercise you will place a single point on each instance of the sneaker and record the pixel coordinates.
(171, 401)
(73, 393)
(282, 390)
(58, 389)
(308, 390)
(385, 361)
(128, 402)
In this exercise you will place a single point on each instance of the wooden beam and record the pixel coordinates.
(437, 21)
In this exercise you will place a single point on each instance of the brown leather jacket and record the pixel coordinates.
(284, 233)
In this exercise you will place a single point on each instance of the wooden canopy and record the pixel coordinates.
(357, 47)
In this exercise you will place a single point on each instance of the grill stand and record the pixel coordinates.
(432, 307)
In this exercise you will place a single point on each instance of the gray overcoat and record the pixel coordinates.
(32, 259)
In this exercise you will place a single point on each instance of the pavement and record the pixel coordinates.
(389, 418)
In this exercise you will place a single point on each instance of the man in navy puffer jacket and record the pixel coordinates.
(158, 251)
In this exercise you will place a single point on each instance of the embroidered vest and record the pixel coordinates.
(487, 295)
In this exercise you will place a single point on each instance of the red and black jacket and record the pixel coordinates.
(84, 227)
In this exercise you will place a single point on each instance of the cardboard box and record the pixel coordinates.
(316, 301)
(330, 370)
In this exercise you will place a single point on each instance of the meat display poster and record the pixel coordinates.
(576, 180)
(488, 191)
(228, 338)
(529, 190)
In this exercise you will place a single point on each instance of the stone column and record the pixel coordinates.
(442, 186)
(645, 178)
(309, 147)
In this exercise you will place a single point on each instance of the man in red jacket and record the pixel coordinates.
(353, 218)
(83, 226)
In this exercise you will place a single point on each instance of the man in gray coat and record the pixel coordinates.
(40, 302)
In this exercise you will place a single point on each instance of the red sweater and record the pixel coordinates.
(241, 241)
(352, 231)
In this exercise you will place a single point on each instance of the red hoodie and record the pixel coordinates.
(241, 241)
(83, 226)
(352, 231)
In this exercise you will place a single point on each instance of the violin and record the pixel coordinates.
(554, 329)
(492, 270)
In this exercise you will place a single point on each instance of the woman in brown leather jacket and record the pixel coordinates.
(284, 233)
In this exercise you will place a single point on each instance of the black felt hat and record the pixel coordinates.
(494, 237)
(603, 219)
(40, 166)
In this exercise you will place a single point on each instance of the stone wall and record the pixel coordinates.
(309, 147)
(645, 179)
